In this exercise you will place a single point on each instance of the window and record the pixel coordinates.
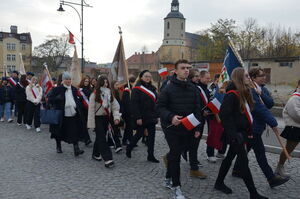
(167, 42)
(11, 68)
(168, 34)
(13, 46)
(168, 25)
(254, 64)
(22, 37)
(181, 26)
(8, 46)
(8, 57)
(13, 57)
(23, 47)
(286, 64)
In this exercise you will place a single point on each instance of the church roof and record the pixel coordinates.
(175, 15)
(192, 40)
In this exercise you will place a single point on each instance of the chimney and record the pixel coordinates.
(14, 29)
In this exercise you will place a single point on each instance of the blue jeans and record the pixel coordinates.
(5, 109)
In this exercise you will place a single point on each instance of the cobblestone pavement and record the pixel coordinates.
(31, 169)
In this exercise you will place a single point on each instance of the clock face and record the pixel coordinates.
(174, 8)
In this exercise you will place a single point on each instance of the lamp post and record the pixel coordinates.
(82, 4)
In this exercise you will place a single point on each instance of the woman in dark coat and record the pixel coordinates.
(21, 99)
(65, 98)
(235, 114)
(6, 99)
(144, 114)
(85, 91)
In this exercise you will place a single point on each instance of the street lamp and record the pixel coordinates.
(82, 4)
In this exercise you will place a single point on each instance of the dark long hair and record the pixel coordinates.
(23, 81)
(238, 78)
(81, 84)
(100, 83)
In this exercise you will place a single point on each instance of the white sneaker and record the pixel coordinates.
(38, 130)
(119, 149)
(220, 155)
(178, 193)
(212, 159)
(168, 183)
(19, 124)
(28, 127)
(10, 120)
(2, 119)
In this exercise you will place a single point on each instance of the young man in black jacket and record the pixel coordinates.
(176, 101)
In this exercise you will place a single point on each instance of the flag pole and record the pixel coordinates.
(46, 67)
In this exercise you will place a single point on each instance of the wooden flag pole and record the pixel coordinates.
(281, 144)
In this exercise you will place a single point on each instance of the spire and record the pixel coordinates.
(175, 6)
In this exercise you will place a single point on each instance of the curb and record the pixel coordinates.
(269, 148)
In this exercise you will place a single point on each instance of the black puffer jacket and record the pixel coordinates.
(178, 98)
(233, 120)
(142, 105)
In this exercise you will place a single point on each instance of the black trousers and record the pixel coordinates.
(260, 154)
(177, 144)
(86, 132)
(33, 112)
(21, 112)
(114, 139)
(193, 146)
(240, 151)
(100, 145)
(128, 132)
(139, 134)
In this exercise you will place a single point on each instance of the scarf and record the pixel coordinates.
(70, 105)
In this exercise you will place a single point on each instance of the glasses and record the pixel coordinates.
(185, 67)
(147, 76)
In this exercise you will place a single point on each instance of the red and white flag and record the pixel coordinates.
(163, 72)
(214, 106)
(296, 94)
(46, 81)
(190, 122)
(12, 81)
(71, 38)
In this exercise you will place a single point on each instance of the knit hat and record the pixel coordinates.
(143, 72)
(66, 75)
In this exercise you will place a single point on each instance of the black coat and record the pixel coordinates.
(178, 98)
(143, 106)
(56, 100)
(20, 93)
(6, 94)
(233, 120)
(126, 105)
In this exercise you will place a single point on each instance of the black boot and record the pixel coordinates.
(128, 151)
(257, 196)
(277, 181)
(77, 150)
(222, 187)
(151, 158)
(58, 146)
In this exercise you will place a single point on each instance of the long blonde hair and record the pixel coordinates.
(238, 78)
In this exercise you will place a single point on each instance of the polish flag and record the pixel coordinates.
(71, 38)
(163, 72)
(214, 106)
(46, 82)
(12, 81)
(190, 122)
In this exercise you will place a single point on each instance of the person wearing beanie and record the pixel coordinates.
(65, 98)
(144, 114)
(34, 93)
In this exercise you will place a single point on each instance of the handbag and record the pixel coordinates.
(51, 116)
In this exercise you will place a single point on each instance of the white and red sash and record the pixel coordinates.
(85, 99)
(20, 85)
(12, 81)
(35, 92)
(203, 95)
(296, 94)
(127, 89)
(147, 92)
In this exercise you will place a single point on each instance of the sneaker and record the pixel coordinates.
(97, 158)
(197, 174)
(19, 124)
(178, 193)
(2, 119)
(38, 129)
(28, 127)
(10, 120)
(168, 183)
(223, 188)
(109, 163)
(199, 164)
(281, 171)
(220, 155)
(212, 159)
(118, 150)
(277, 181)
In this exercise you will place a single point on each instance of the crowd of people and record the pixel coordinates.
(122, 114)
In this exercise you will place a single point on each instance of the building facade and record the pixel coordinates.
(14, 48)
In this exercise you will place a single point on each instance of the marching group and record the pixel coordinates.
(107, 107)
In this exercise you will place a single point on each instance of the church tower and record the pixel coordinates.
(173, 46)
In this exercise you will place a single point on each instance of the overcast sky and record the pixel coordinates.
(141, 20)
